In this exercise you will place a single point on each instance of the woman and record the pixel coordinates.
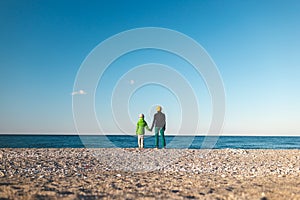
(159, 122)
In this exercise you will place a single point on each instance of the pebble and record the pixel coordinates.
(2, 174)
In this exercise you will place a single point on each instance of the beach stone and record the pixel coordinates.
(2, 174)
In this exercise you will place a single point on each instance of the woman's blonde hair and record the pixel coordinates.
(158, 108)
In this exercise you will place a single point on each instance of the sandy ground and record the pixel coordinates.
(149, 174)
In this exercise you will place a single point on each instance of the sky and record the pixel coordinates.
(254, 44)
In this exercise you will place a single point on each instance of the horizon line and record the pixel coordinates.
(123, 134)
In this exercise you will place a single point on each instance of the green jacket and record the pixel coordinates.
(140, 127)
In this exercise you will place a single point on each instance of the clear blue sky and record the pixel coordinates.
(255, 45)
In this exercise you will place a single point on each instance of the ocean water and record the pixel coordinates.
(126, 141)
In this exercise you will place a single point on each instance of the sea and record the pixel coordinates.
(128, 141)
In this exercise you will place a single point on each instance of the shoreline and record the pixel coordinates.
(106, 173)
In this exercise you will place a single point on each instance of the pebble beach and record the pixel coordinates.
(116, 173)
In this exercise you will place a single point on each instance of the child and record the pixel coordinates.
(140, 130)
